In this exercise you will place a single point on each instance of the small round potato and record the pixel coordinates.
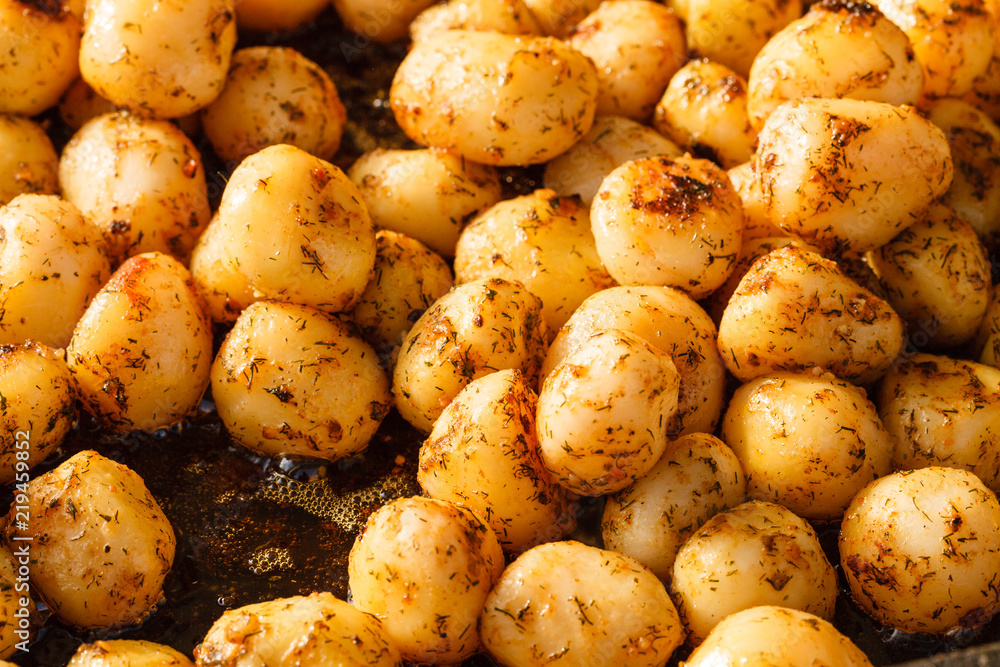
(943, 412)
(290, 380)
(757, 553)
(317, 629)
(696, 477)
(483, 454)
(808, 442)
(38, 407)
(128, 653)
(141, 181)
(988, 342)
(380, 21)
(141, 354)
(274, 95)
(52, 263)
(576, 606)
(777, 637)
(28, 162)
(676, 222)
(425, 568)
(493, 98)
(511, 17)
(159, 59)
(474, 330)
(215, 268)
(921, 550)
(90, 510)
(603, 412)
(543, 241)
(276, 16)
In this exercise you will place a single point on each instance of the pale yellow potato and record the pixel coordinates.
(988, 341)
(408, 277)
(696, 477)
(141, 181)
(670, 320)
(38, 56)
(427, 194)
(317, 629)
(732, 32)
(39, 407)
(543, 241)
(840, 48)
(127, 653)
(483, 454)
(425, 567)
(943, 412)
(579, 606)
(475, 329)
(159, 58)
(757, 553)
(937, 275)
(953, 42)
(81, 103)
(778, 637)
(28, 163)
(291, 227)
(704, 109)
(290, 380)
(511, 17)
(274, 95)
(142, 351)
(494, 98)
(91, 510)
(637, 46)
(611, 141)
(795, 311)
(380, 21)
(52, 262)
(603, 412)
(921, 550)
(848, 175)
(808, 442)
(272, 16)
(674, 222)
(756, 217)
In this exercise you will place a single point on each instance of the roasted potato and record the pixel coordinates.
(127, 653)
(380, 21)
(274, 17)
(511, 17)
(29, 163)
(988, 341)
(756, 217)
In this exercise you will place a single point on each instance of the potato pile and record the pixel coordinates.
(755, 297)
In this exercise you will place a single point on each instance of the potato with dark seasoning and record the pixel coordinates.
(127, 653)
(29, 163)
(425, 567)
(511, 17)
(921, 551)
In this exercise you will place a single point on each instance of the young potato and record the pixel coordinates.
(81, 104)
(840, 48)
(809, 442)
(704, 109)
(425, 567)
(757, 553)
(39, 407)
(277, 17)
(159, 59)
(290, 380)
(988, 341)
(427, 194)
(637, 46)
(141, 181)
(317, 629)
(611, 141)
(127, 653)
(293, 228)
(557, 17)
(511, 17)
(674, 222)
(778, 637)
(756, 217)
(28, 163)
(475, 329)
(848, 175)
(52, 262)
(88, 511)
(669, 320)
(921, 550)
(603, 412)
(39, 52)
(541, 240)
(141, 354)
(578, 606)
(696, 477)
(274, 95)
(493, 98)
(795, 310)
(943, 412)
(380, 21)
(483, 454)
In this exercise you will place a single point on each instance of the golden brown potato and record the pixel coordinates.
(988, 341)
(276, 16)
(29, 163)
(380, 21)
(511, 17)
(128, 653)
